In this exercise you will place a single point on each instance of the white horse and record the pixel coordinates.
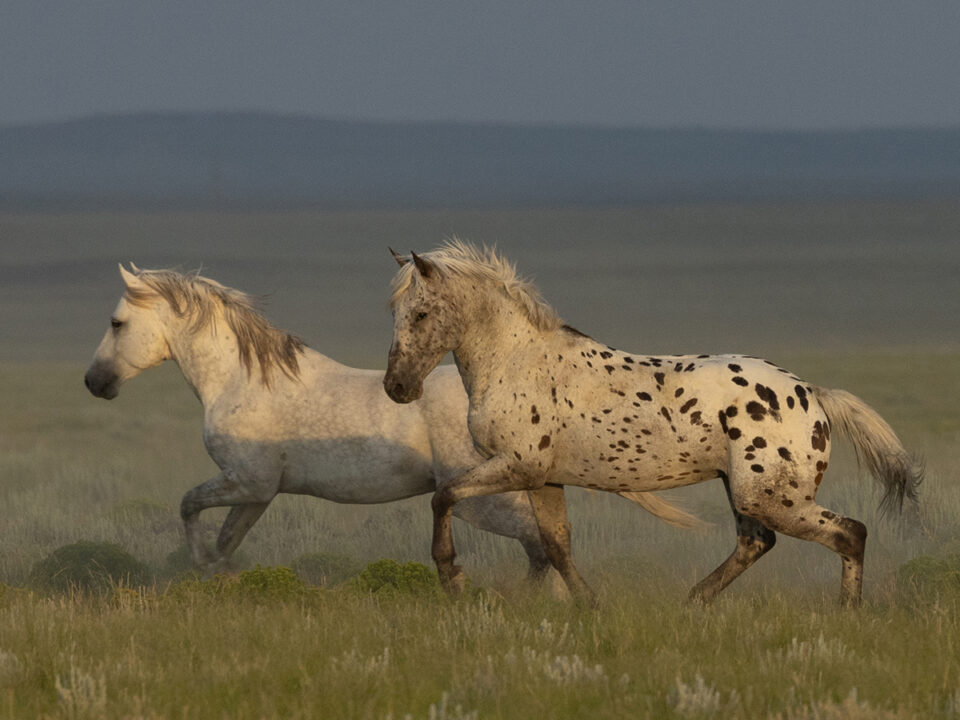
(279, 417)
(550, 405)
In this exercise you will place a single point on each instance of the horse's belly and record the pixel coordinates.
(357, 472)
(644, 463)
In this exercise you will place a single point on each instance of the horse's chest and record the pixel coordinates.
(513, 423)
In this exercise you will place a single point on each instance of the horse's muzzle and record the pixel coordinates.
(101, 382)
(401, 393)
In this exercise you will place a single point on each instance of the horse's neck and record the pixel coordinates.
(495, 330)
(208, 359)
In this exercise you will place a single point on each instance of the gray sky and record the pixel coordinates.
(766, 63)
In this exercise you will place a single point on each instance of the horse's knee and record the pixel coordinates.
(442, 501)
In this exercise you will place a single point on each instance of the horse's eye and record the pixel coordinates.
(421, 316)
(115, 324)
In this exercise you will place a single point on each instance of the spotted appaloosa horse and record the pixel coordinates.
(282, 418)
(549, 405)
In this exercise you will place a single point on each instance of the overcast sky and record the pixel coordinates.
(769, 63)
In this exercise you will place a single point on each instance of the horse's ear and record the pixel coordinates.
(129, 279)
(424, 266)
(133, 266)
(401, 261)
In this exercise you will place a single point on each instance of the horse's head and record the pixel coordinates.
(134, 342)
(426, 326)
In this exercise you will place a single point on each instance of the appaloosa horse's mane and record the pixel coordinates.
(460, 258)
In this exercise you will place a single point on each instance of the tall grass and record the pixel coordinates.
(774, 645)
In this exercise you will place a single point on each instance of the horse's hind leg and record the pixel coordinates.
(753, 541)
(223, 489)
(790, 508)
(845, 536)
(238, 523)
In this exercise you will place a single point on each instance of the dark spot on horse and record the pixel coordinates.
(605, 355)
(628, 359)
(818, 479)
(678, 393)
(687, 405)
(802, 397)
(678, 367)
(757, 468)
(756, 410)
(785, 454)
(734, 433)
(658, 377)
(608, 368)
(665, 413)
(749, 456)
(759, 442)
(690, 368)
(794, 484)
(731, 411)
(819, 437)
(695, 417)
(828, 515)
(627, 367)
(723, 421)
(644, 396)
(742, 381)
(768, 396)
(735, 368)
(821, 466)
(768, 491)
(544, 442)
(623, 444)
(627, 419)
(607, 411)
(517, 455)
(786, 503)
(790, 402)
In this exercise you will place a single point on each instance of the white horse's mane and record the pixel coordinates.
(202, 300)
(456, 257)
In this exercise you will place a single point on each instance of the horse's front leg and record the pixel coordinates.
(496, 475)
(227, 488)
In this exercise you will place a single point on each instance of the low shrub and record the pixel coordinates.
(928, 575)
(326, 569)
(88, 566)
(261, 584)
(392, 577)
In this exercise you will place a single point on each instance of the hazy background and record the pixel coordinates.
(753, 64)
(770, 178)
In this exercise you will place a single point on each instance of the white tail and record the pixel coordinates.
(876, 444)
(669, 513)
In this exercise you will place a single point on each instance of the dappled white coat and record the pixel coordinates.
(291, 420)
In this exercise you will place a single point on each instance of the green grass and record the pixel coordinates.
(347, 654)
(775, 645)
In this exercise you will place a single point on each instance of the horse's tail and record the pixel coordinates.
(669, 513)
(876, 444)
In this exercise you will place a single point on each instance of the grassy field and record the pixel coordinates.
(774, 646)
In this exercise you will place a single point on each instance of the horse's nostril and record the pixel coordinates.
(398, 389)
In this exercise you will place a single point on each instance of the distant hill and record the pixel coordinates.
(263, 161)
